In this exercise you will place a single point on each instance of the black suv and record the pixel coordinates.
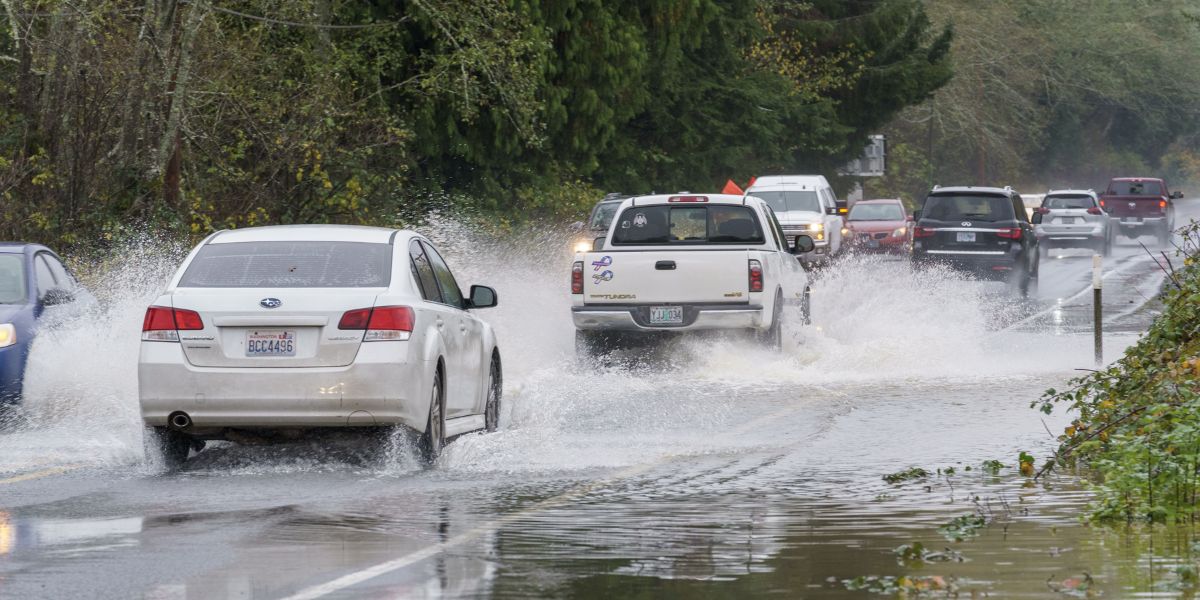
(981, 230)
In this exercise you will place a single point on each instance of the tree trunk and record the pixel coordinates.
(168, 147)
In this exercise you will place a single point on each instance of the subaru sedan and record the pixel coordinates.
(275, 331)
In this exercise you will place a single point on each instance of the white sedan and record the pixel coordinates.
(275, 330)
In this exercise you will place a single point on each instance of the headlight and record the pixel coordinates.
(845, 231)
(8, 335)
(900, 231)
(582, 247)
(817, 227)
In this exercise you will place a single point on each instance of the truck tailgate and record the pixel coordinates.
(1134, 206)
(679, 276)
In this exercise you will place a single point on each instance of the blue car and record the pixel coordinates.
(33, 282)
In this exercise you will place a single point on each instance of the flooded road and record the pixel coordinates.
(719, 469)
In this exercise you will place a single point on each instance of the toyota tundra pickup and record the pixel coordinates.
(1141, 206)
(682, 263)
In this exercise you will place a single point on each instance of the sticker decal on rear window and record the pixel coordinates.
(602, 276)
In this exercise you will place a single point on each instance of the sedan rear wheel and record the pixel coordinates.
(491, 410)
(434, 437)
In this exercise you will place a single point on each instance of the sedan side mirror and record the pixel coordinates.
(483, 296)
(804, 245)
(916, 216)
(57, 297)
(1037, 217)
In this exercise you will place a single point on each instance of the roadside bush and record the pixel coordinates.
(1138, 425)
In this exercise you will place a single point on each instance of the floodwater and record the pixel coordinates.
(717, 469)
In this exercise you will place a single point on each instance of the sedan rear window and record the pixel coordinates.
(1072, 201)
(952, 207)
(877, 212)
(716, 224)
(290, 265)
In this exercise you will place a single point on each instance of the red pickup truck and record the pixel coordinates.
(1141, 206)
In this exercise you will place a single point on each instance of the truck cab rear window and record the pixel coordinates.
(1134, 188)
(290, 265)
(671, 225)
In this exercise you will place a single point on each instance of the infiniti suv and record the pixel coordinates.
(983, 231)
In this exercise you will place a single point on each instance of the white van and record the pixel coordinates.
(805, 205)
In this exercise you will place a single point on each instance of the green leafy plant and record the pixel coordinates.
(1138, 428)
(906, 475)
(963, 527)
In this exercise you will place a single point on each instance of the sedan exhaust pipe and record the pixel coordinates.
(179, 421)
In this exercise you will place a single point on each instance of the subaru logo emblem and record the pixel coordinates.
(270, 303)
(966, 223)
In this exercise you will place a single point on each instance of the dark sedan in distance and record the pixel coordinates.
(33, 281)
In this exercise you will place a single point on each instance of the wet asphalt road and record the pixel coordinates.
(719, 469)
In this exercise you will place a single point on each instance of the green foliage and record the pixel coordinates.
(201, 115)
(1053, 94)
(1138, 424)
(916, 553)
(963, 527)
(904, 586)
(906, 475)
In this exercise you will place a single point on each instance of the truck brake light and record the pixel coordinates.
(688, 199)
(756, 276)
(577, 277)
(1162, 205)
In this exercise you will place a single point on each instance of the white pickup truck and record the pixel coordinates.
(687, 262)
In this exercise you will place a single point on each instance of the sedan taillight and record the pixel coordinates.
(756, 276)
(163, 324)
(382, 323)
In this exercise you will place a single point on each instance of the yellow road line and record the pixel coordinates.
(40, 474)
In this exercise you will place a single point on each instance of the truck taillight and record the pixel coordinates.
(577, 278)
(923, 232)
(1012, 233)
(1162, 205)
(756, 276)
(163, 324)
(382, 323)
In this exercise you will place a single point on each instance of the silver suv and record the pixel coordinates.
(1073, 219)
